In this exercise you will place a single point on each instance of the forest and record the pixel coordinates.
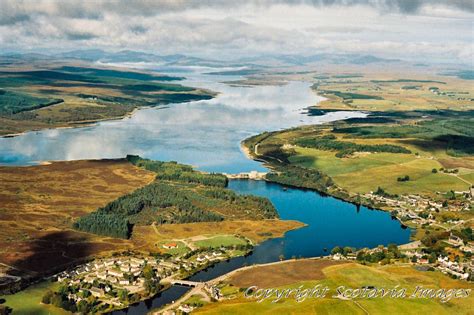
(301, 177)
(174, 171)
(179, 194)
(456, 135)
(345, 148)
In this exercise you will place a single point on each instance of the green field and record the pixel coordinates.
(359, 156)
(351, 276)
(179, 250)
(385, 91)
(221, 240)
(365, 173)
(28, 301)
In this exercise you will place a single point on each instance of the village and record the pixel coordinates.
(118, 281)
(422, 210)
(415, 253)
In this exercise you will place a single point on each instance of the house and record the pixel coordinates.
(89, 279)
(96, 292)
(109, 263)
(455, 240)
(185, 308)
(124, 282)
(116, 273)
(137, 261)
(468, 248)
(135, 264)
(111, 279)
(201, 258)
(168, 264)
(170, 245)
(102, 275)
(423, 261)
(337, 256)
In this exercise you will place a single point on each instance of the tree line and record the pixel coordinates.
(174, 171)
(345, 148)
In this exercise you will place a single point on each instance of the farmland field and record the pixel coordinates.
(334, 275)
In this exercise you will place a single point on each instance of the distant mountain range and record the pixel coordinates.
(184, 60)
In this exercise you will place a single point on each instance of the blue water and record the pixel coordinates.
(330, 222)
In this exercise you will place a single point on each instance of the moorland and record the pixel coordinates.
(37, 95)
(49, 212)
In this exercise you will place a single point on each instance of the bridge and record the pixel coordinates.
(186, 283)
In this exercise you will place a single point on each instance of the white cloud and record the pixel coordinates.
(413, 29)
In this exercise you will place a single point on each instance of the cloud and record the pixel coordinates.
(225, 29)
(12, 11)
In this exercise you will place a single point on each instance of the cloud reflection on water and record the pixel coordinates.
(205, 133)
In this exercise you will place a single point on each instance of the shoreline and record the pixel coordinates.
(92, 122)
(79, 124)
(268, 165)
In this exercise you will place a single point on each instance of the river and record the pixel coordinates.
(207, 135)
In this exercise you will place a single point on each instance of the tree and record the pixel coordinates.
(393, 248)
(281, 257)
(346, 250)
(83, 307)
(123, 295)
(5, 310)
(336, 250)
(47, 297)
(148, 272)
(451, 195)
(434, 171)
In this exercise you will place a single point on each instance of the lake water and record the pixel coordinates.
(207, 134)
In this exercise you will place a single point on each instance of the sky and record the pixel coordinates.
(434, 30)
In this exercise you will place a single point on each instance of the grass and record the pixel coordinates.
(32, 99)
(362, 172)
(256, 231)
(365, 172)
(349, 275)
(220, 240)
(28, 301)
(382, 91)
(179, 250)
(195, 300)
